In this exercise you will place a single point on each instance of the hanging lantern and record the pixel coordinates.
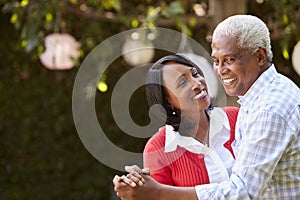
(138, 50)
(61, 51)
(296, 58)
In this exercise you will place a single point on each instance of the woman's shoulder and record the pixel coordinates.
(231, 112)
(230, 109)
(156, 141)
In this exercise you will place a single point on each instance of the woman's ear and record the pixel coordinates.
(169, 102)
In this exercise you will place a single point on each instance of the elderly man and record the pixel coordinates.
(267, 145)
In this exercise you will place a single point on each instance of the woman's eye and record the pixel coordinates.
(181, 82)
(195, 74)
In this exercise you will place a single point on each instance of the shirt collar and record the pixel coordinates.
(254, 91)
(218, 120)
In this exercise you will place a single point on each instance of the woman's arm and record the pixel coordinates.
(152, 190)
(156, 159)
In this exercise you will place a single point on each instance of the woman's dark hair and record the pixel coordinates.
(155, 89)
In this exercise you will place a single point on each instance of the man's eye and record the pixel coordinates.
(229, 60)
(216, 62)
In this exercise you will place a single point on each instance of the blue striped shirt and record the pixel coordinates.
(267, 145)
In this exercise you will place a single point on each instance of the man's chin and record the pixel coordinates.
(231, 92)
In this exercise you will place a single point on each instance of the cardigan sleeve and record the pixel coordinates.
(154, 158)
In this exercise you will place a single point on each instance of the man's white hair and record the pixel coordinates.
(250, 32)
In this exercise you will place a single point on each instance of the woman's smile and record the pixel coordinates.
(201, 95)
(187, 89)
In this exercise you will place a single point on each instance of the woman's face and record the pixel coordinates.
(186, 88)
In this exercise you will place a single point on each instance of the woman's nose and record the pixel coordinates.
(196, 84)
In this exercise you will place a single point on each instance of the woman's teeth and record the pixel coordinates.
(200, 95)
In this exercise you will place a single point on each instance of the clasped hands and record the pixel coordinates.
(136, 185)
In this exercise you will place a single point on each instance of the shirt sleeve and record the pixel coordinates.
(154, 159)
(265, 136)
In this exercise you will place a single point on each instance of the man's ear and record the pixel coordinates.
(261, 55)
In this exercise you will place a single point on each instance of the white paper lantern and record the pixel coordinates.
(60, 48)
(137, 50)
(296, 58)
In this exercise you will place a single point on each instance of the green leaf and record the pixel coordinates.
(285, 54)
(285, 19)
(111, 4)
(49, 17)
(134, 23)
(24, 3)
(14, 18)
(193, 22)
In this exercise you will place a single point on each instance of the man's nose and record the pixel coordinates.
(221, 69)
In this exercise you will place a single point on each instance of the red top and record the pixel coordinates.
(181, 167)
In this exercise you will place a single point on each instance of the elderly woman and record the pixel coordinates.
(267, 143)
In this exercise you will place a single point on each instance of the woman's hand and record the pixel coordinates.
(135, 168)
(135, 175)
(138, 186)
(126, 191)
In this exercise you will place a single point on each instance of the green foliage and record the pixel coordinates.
(35, 19)
(111, 4)
(284, 18)
(41, 155)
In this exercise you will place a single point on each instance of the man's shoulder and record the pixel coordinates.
(282, 90)
(280, 96)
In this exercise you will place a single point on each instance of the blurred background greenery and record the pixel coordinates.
(41, 155)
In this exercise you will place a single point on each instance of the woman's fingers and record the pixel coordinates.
(133, 168)
(137, 169)
(137, 178)
(128, 181)
(117, 179)
(146, 171)
(134, 177)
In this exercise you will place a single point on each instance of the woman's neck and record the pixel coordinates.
(197, 130)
